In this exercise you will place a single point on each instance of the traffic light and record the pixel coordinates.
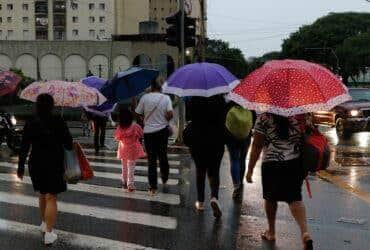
(174, 31)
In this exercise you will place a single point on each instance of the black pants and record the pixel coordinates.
(99, 133)
(156, 148)
(208, 162)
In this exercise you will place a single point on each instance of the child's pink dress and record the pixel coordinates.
(129, 150)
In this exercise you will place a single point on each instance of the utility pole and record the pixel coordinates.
(100, 68)
(182, 63)
(203, 18)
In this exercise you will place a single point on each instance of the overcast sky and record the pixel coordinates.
(259, 26)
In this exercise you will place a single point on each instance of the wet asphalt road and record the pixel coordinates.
(99, 215)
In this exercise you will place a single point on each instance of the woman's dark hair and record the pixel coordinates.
(125, 117)
(282, 126)
(155, 86)
(44, 105)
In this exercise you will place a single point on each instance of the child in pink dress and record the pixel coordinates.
(128, 134)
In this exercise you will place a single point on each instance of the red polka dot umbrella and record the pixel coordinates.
(290, 87)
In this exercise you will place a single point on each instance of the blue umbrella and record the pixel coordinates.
(94, 82)
(103, 110)
(129, 83)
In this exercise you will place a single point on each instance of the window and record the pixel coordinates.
(91, 6)
(74, 6)
(26, 33)
(10, 33)
(1, 33)
(162, 9)
(102, 19)
(25, 6)
(75, 19)
(25, 19)
(9, 6)
(1, 20)
(91, 19)
(9, 19)
(102, 33)
(1, 6)
(102, 6)
(75, 32)
(92, 33)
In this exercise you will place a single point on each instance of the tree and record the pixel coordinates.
(257, 62)
(327, 32)
(218, 51)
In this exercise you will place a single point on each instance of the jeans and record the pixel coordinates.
(238, 154)
(99, 133)
(156, 148)
(208, 162)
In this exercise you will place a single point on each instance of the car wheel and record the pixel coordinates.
(339, 126)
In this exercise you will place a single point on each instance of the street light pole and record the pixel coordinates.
(331, 50)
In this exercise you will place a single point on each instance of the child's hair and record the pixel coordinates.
(125, 118)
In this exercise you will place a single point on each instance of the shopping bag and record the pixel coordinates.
(72, 172)
(86, 171)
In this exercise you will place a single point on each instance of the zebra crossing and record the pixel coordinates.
(90, 206)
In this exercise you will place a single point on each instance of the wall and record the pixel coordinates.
(60, 60)
(129, 13)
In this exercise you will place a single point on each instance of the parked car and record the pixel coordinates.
(349, 117)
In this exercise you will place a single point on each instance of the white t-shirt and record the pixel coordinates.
(157, 121)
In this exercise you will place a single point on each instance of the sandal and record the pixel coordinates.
(307, 242)
(266, 236)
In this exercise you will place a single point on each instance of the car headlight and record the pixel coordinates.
(13, 120)
(354, 112)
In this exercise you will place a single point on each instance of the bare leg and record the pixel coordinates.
(42, 206)
(271, 209)
(50, 211)
(298, 211)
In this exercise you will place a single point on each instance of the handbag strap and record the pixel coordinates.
(153, 110)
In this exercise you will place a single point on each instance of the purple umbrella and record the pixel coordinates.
(94, 82)
(200, 79)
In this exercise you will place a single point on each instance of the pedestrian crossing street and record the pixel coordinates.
(90, 207)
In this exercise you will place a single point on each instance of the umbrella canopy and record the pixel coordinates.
(8, 82)
(290, 87)
(129, 83)
(200, 79)
(65, 94)
(103, 110)
(93, 82)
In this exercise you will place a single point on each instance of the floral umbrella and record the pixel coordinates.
(290, 87)
(65, 94)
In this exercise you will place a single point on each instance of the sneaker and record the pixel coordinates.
(152, 191)
(50, 238)
(199, 206)
(43, 227)
(217, 213)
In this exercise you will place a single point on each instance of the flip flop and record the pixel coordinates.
(307, 242)
(265, 236)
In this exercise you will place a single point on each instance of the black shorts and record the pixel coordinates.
(282, 180)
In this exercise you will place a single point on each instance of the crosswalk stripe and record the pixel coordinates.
(138, 178)
(95, 157)
(108, 175)
(146, 219)
(119, 166)
(91, 150)
(77, 240)
(171, 199)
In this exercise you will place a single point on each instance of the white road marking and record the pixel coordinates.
(114, 176)
(171, 199)
(140, 218)
(78, 240)
(95, 157)
(91, 150)
(119, 166)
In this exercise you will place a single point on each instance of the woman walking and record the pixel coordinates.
(47, 136)
(128, 134)
(282, 175)
(207, 145)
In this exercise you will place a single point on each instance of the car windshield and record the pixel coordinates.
(360, 94)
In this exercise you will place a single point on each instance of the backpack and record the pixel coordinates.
(315, 152)
(239, 122)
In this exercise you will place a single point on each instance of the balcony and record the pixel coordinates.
(59, 7)
(41, 8)
(59, 21)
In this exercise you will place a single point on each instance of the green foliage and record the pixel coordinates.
(257, 62)
(330, 32)
(218, 51)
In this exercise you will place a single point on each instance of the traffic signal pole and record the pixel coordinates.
(182, 63)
